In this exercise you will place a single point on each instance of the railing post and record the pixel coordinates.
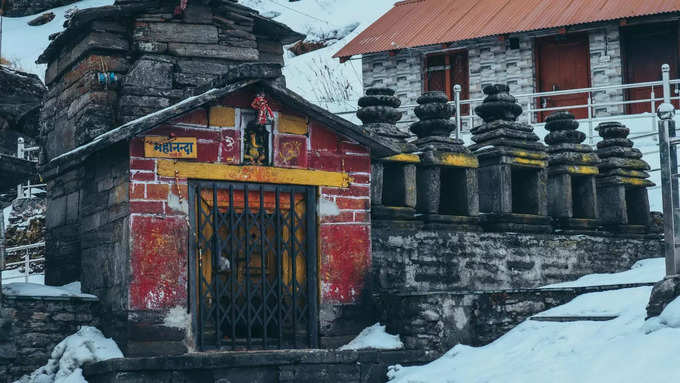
(529, 112)
(591, 131)
(652, 97)
(669, 169)
(20, 148)
(456, 96)
(27, 267)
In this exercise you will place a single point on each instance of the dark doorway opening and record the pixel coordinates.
(453, 198)
(582, 197)
(524, 190)
(393, 184)
(444, 70)
(636, 205)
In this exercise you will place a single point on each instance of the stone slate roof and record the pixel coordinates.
(20, 97)
(15, 171)
(379, 146)
(128, 8)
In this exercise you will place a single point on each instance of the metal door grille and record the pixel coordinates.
(253, 266)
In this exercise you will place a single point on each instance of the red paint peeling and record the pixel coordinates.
(159, 263)
(290, 151)
(345, 262)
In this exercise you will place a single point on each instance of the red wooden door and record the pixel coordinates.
(443, 71)
(563, 63)
(646, 48)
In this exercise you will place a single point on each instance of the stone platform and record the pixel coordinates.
(299, 366)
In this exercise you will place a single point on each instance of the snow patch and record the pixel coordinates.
(328, 208)
(177, 317)
(669, 318)
(38, 290)
(643, 271)
(624, 349)
(88, 345)
(374, 337)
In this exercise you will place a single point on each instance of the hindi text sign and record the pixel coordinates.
(170, 147)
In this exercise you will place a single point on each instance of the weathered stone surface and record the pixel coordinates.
(176, 33)
(663, 293)
(19, 8)
(366, 366)
(213, 51)
(31, 327)
(21, 94)
(428, 260)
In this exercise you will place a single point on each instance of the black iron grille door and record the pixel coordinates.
(253, 266)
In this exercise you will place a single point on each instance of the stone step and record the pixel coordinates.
(574, 318)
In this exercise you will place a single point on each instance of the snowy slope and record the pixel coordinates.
(23, 43)
(625, 349)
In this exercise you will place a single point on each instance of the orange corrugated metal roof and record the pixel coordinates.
(414, 23)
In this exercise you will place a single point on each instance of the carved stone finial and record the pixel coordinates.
(620, 160)
(498, 104)
(378, 112)
(435, 114)
(565, 142)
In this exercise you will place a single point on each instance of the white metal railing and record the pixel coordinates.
(26, 262)
(28, 153)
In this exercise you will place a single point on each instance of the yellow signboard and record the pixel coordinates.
(170, 147)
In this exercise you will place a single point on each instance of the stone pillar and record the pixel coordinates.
(512, 166)
(572, 196)
(622, 181)
(448, 192)
(393, 182)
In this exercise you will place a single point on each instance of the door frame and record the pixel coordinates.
(537, 62)
(311, 250)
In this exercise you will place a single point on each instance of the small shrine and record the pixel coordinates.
(393, 193)
(622, 181)
(572, 169)
(512, 166)
(447, 172)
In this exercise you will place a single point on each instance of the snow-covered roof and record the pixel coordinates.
(285, 96)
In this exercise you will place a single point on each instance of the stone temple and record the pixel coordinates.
(219, 217)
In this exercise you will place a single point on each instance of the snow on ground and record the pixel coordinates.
(625, 349)
(15, 275)
(88, 345)
(374, 337)
(22, 43)
(33, 289)
(646, 270)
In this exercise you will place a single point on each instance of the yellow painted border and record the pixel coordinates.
(261, 174)
(403, 157)
(526, 161)
(579, 169)
(461, 160)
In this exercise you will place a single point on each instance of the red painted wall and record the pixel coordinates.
(159, 212)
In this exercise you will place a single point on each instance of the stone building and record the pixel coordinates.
(529, 46)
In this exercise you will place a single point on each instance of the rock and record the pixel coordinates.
(42, 19)
(663, 293)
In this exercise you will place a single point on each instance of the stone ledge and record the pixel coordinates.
(47, 298)
(205, 360)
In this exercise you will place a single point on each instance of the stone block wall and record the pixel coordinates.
(606, 68)
(437, 321)
(405, 259)
(151, 60)
(30, 327)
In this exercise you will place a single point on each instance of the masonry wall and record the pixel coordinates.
(30, 327)
(155, 60)
(405, 259)
(159, 216)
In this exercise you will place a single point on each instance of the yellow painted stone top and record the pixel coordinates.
(260, 174)
(525, 154)
(403, 157)
(576, 169)
(291, 124)
(529, 162)
(170, 147)
(461, 160)
(634, 181)
(222, 116)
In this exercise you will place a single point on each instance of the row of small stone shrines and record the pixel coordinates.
(507, 180)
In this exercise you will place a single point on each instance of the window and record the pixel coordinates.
(443, 71)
